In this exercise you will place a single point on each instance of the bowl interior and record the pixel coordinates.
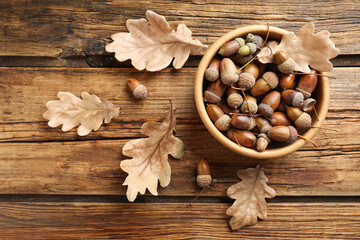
(321, 95)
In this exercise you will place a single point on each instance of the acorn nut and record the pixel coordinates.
(307, 83)
(301, 119)
(268, 81)
(243, 137)
(232, 47)
(234, 98)
(292, 97)
(203, 178)
(280, 119)
(286, 134)
(214, 91)
(285, 63)
(262, 142)
(212, 72)
(242, 122)
(252, 104)
(262, 124)
(221, 120)
(287, 81)
(137, 89)
(269, 104)
(228, 72)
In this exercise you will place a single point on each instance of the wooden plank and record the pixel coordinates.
(84, 165)
(92, 167)
(174, 221)
(24, 92)
(60, 28)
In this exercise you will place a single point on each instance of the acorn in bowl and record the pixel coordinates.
(263, 109)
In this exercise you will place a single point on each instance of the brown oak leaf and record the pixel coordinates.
(152, 44)
(250, 196)
(308, 48)
(149, 163)
(71, 111)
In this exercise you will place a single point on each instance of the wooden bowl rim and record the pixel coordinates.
(321, 106)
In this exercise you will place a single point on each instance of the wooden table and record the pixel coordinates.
(57, 185)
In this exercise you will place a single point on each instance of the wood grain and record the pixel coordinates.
(174, 221)
(37, 159)
(62, 29)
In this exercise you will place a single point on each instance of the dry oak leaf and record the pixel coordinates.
(308, 48)
(152, 45)
(149, 163)
(71, 111)
(250, 196)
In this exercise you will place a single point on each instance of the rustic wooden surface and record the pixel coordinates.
(56, 185)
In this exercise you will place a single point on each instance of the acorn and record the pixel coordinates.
(301, 119)
(252, 104)
(227, 109)
(262, 68)
(137, 89)
(253, 69)
(243, 137)
(221, 120)
(308, 104)
(292, 97)
(285, 63)
(287, 81)
(242, 122)
(269, 104)
(228, 72)
(268, 81)
(262, 124)
(234, 98)
(242, 60)
(212, 72)
(232, 47)
(286, 134)
(262, 142)
(214, 91)
(280, 119)
(307, 83)
(203, 178)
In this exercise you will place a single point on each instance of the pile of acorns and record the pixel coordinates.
(261, 103)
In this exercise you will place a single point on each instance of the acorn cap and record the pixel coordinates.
(288, 66)
(241, 41)
(293, 135)
(211, 74)
(140, 92)
(308, 104)
(298, 99)
(235, 100)
(271, 78)
(258, 40)
(203, 180)
(304, 121)
(223, 123)
(252, 47)
(246, 80)
(265, 110)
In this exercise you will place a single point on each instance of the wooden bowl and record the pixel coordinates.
(321, 94)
